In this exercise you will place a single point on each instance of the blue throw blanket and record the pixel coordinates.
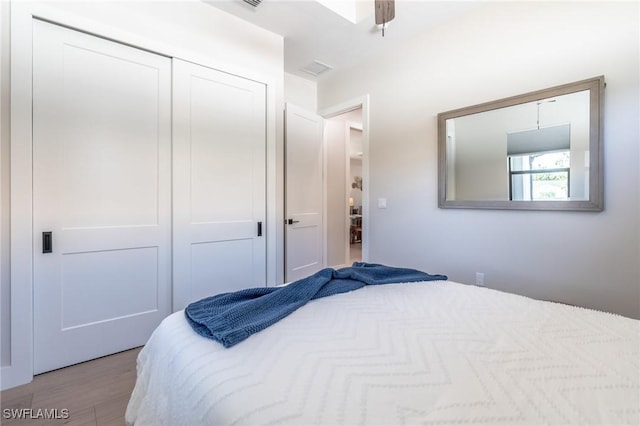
(229, 318)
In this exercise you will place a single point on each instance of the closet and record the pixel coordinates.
(219, 124)
(148, 191)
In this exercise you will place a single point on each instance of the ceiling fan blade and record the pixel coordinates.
(385, 11)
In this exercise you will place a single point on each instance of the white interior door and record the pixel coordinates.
(303, 193)
(219, 186)
(101, 161)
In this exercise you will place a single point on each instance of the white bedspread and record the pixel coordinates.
(421, 353)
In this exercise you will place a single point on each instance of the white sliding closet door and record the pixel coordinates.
(102, 189)
(219, 183)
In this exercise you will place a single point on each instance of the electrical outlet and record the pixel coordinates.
(480, 279)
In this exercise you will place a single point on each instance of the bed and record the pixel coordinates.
(434, 352)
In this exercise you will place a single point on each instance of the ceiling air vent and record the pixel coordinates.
(254, 3)
(316, 68)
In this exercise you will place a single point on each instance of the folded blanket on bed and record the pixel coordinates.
(230, 318)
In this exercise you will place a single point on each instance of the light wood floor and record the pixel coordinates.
(95, 393)
(355, 252)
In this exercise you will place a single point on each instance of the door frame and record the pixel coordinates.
(19, 370)
(332, 111)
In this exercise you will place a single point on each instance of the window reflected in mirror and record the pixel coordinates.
(540, 176)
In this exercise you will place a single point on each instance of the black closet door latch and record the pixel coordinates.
(259, 229)
(47, 242)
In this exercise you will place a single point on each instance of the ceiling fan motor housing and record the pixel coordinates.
(385, 11)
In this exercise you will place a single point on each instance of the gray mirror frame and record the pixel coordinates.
(595, 203)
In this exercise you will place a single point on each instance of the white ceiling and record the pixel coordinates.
(312, 32)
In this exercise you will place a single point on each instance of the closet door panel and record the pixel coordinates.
(219, 145)
(102, 188)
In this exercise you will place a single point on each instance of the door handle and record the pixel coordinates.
(47, 242)
(291, 221)
(259, 229)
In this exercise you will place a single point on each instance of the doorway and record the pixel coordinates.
(354, 189)
(345, 132)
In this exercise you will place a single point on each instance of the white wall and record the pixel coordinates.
(189, 30)
(336, 191)
(498, 50)
(5, 290)
(301, 92)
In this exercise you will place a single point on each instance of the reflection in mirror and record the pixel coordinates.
(536, 151)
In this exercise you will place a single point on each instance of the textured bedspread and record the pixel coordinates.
(421, 353)
(230, 318)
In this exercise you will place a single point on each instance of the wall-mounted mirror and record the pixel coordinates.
(537, 151)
